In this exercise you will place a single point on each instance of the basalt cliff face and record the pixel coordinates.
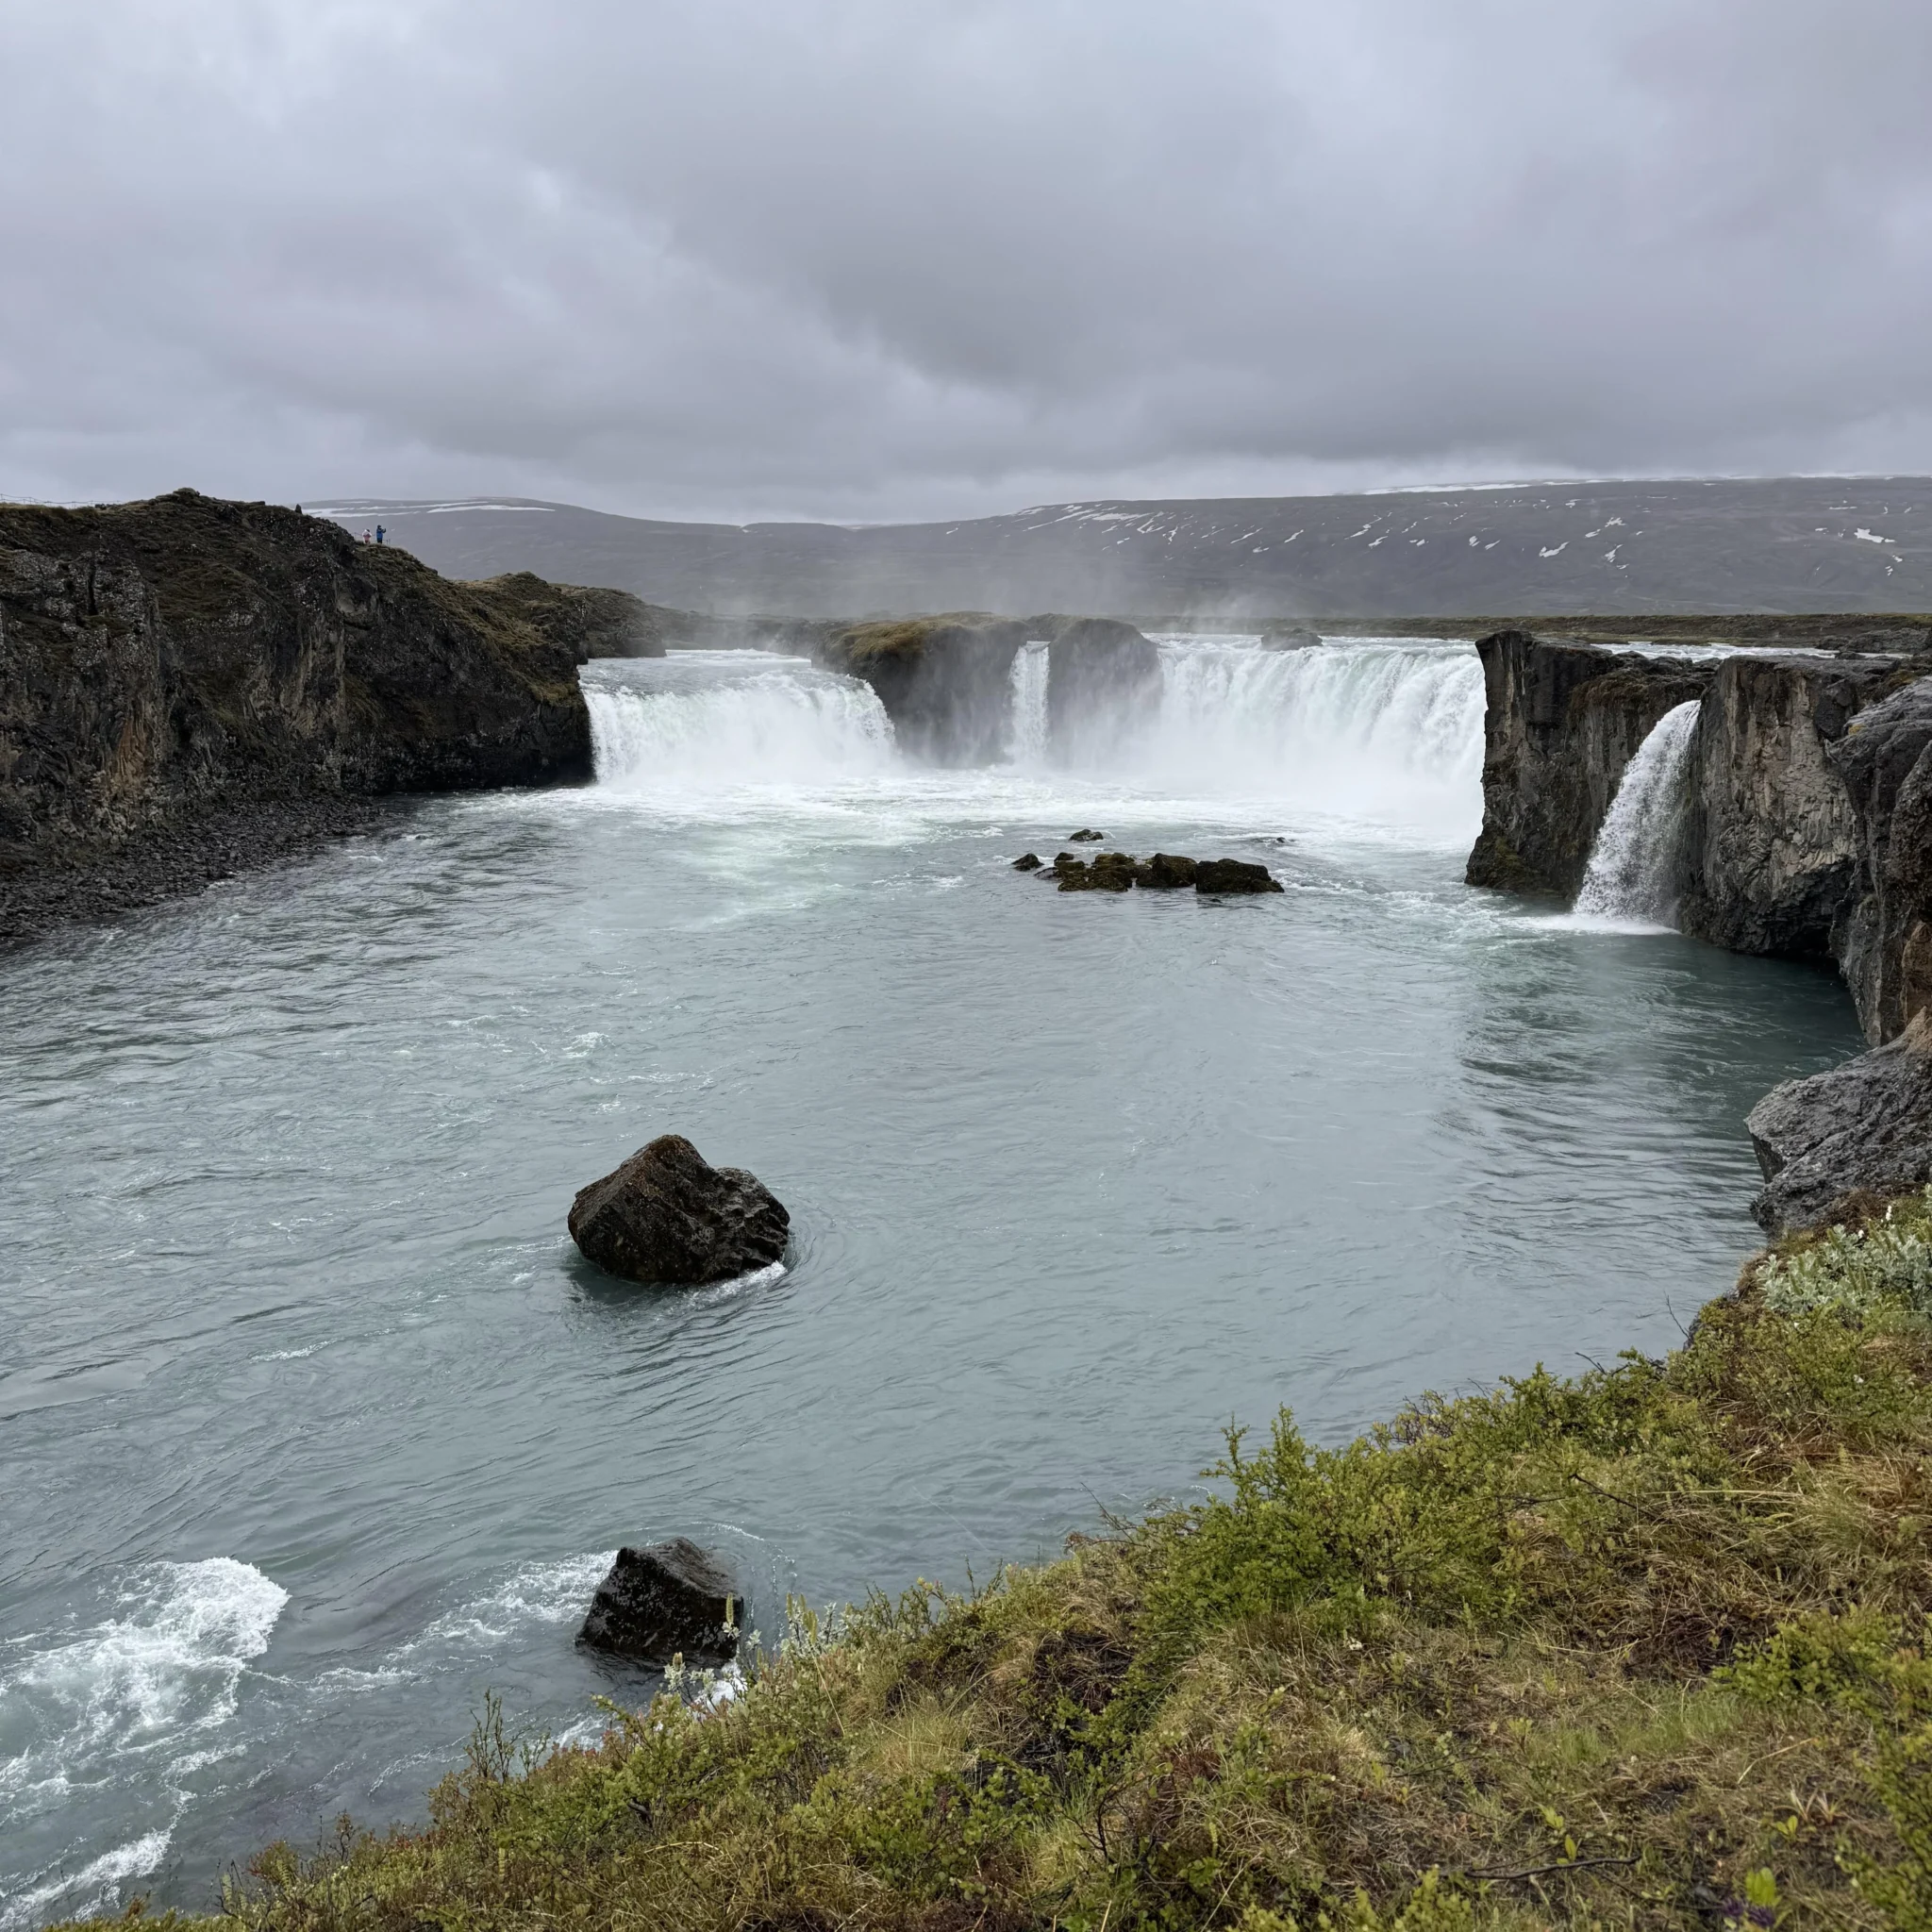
(1562, 721)
(1806, 832)
(184, 663)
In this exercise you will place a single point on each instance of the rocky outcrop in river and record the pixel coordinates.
(947, 682)
(186, 683)
(668, 1215)
(664, 1601)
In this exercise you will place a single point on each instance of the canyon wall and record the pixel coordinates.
(1807, 833)
(162, 662)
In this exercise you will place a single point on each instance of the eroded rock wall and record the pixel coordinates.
(1773, 837)
(1561, 723)
(160, 658)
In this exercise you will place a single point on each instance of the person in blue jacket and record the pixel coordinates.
(380, 533)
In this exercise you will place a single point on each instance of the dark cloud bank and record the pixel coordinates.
(870, 258)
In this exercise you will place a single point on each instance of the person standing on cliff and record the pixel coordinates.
(380, 533)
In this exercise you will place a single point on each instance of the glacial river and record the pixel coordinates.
(316, 1429)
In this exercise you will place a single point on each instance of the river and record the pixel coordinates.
(316, 1428)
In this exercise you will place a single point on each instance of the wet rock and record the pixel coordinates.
(1866, 1125)
(1234, 876)
(1290, 637)
(1165, 871)
(1112, 871)
(1561, 723)
(667, 1215)
(1085, 836)
(664, 1601)
(945, 681)
(1028, 861)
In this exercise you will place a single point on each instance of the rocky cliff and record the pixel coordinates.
(1773, 834)
(947, 682)
(166, 662)
(1562, 721)
(1807, 833)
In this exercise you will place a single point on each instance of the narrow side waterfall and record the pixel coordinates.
(722, 729)
(1028, 744)
(1387, 733)
(1633, 865)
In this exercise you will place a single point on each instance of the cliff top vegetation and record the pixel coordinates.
(1644, 1647)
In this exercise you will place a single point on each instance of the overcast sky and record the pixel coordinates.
(879, 259)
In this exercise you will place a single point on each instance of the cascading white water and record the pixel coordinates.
(1385, 732)
(1632, 871)
(712, 727)
(1027, 744)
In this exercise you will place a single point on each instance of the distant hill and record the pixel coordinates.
(1782, 545)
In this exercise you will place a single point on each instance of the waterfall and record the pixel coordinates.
(1027, 742)
(1382, 732)
(1633, 866)
(702, 728)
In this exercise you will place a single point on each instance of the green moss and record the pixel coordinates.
(1641, 1648)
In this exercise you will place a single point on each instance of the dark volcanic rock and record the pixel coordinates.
(664, 1601)
(1028, 861)
(1085, 836)
(1290, 637)
(1771, 854)
(173, 665)
(589, 622)
(945, 681)
(1886, 949)
(666, 1215)
(1234, 876)
(1165, 871)
(1562, 721)
(1102, 676)
(1866, 1125)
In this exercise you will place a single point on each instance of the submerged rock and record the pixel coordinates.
(1866, 1125)
(667, 1215)
(1290, 637)
(1085, 836)
(1028, 861)
(1166, 872)
(1234, 876)
(665, 1600)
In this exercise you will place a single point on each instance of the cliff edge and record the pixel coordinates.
(187, 684)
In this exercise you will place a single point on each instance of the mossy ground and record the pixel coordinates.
(1643, 1648)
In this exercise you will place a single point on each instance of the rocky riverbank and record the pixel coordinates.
(1807, 833)
(189, 686)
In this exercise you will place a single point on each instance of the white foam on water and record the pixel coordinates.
(771, 728)
(549, 1592)
(1631, 881)
(1385, 734)
(1028, 745)
(134, 1702)
(95, 1885)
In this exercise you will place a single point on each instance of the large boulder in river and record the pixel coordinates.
(664, 1601)
(1167, 872)
(668, 1215)
(1234, 876)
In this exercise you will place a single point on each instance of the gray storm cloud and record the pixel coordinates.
(883, 257)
